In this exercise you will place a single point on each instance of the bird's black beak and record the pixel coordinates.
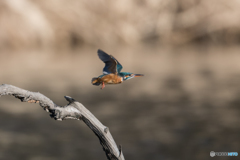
(138, 75)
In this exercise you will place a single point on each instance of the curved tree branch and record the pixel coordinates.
(73, 110)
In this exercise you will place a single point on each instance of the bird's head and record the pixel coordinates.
(128, 75)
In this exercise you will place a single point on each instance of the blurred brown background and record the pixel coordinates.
(186, 105)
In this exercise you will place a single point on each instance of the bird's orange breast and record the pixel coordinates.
(111, 79)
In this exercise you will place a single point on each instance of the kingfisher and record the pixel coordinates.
(112, 71)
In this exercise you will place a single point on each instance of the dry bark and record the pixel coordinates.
(73, 110)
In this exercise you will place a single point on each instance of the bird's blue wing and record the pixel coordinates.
(119, 66)
(111, 64)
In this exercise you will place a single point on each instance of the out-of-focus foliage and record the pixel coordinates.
(61, 23)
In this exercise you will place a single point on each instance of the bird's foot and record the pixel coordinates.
(103, 85)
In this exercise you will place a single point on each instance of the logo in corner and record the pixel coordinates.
(212, 153)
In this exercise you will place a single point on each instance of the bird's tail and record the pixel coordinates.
(96, 81)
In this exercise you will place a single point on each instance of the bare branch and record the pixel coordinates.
(73, 110)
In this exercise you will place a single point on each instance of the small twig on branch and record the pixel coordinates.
(73, 110)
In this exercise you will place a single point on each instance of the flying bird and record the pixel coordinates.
(112, 71)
